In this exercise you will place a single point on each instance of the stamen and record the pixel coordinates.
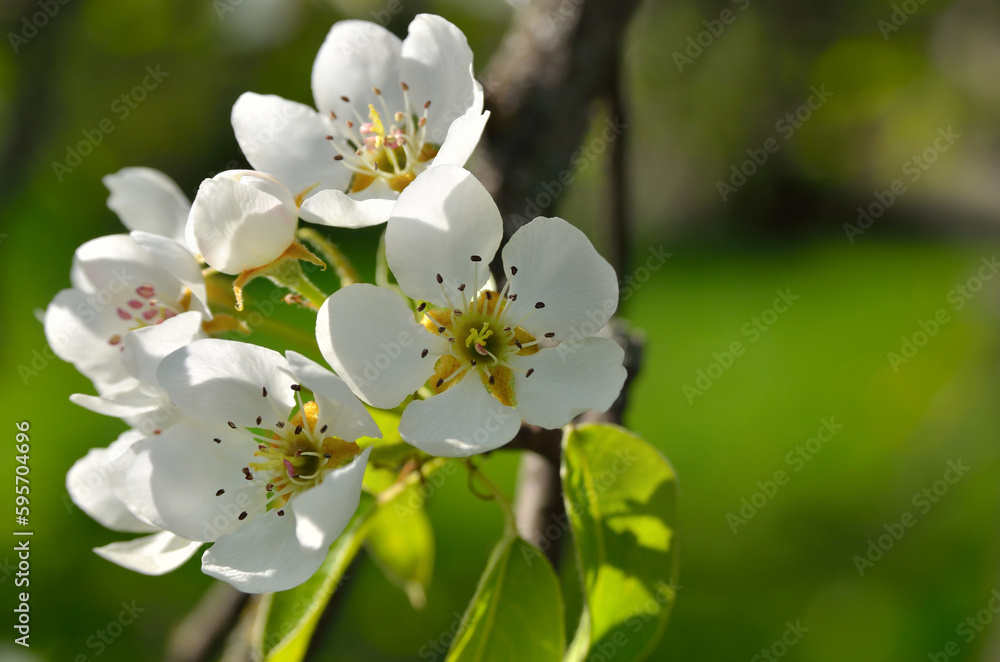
(231, 424)
(220, 493)
(217, 440)
(550, 334)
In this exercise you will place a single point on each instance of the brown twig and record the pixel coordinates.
(555, 61)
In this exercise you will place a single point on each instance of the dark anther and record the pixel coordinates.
(231, 424)
(259, 419)
(539, 305)
(476, 258)
(550, 334)
(513, 271)
(421, 307)
(220, 493)
(439, 278)
(298, 387)
(243, 515)
(423, 354)
(323, 429)
(217, 440)
(528, 374)
(263, 391)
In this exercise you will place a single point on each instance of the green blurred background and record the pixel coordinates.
(890, 93)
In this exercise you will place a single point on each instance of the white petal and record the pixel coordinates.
(174, 479)
(288, 140)
(145, 348)
(178, 261)
(339, 409)
(114, 265)
(559, 267)
(275, 553)
(90, 483)
(262, 556)
(222, 380)
(440, 222)
(151, 555)
(337, 209)
(437, 65)
(78, 334)
(146, 199)
(568, 380)
(355, 57)
(462, 421)
(120, 405)
(242, 220)
(463, 136)
(322, 512)
(367, 334)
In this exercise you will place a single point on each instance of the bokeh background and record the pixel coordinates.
(896, 76)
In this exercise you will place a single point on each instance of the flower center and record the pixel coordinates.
(145, 309)
(293, 456)
(372, 151)
(481, 339)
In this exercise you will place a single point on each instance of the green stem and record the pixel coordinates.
(510, 523)
(346, 272)
(292, 277)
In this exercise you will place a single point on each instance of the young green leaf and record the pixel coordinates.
(401, 541)
(621, 496)
(517, 611)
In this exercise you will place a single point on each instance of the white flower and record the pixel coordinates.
(242, 220)
(388, 109)
(270, 479)
(96, 484)
(493, 358)
(149, 201)
(120, 283)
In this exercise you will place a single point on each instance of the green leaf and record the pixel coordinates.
(292, 615)
(621, 496)
(517, 611)
(401, 540)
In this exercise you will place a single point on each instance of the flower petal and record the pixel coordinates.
(322, 512)
(560, 269)
(462, 138)
(90, 483)
(339, 408)
(337, 209)
(272, 553)
(568, 380)
(367, 334)
(185, 482)
(437, 65)
(78, 335)
(151, 555)
(441, 223)
(263, 555)
(288, 140)
(462, 421)
(148, 200)
(242, 220)
(145, 348)
(178, 261)
(355, 57)
(222, 380)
